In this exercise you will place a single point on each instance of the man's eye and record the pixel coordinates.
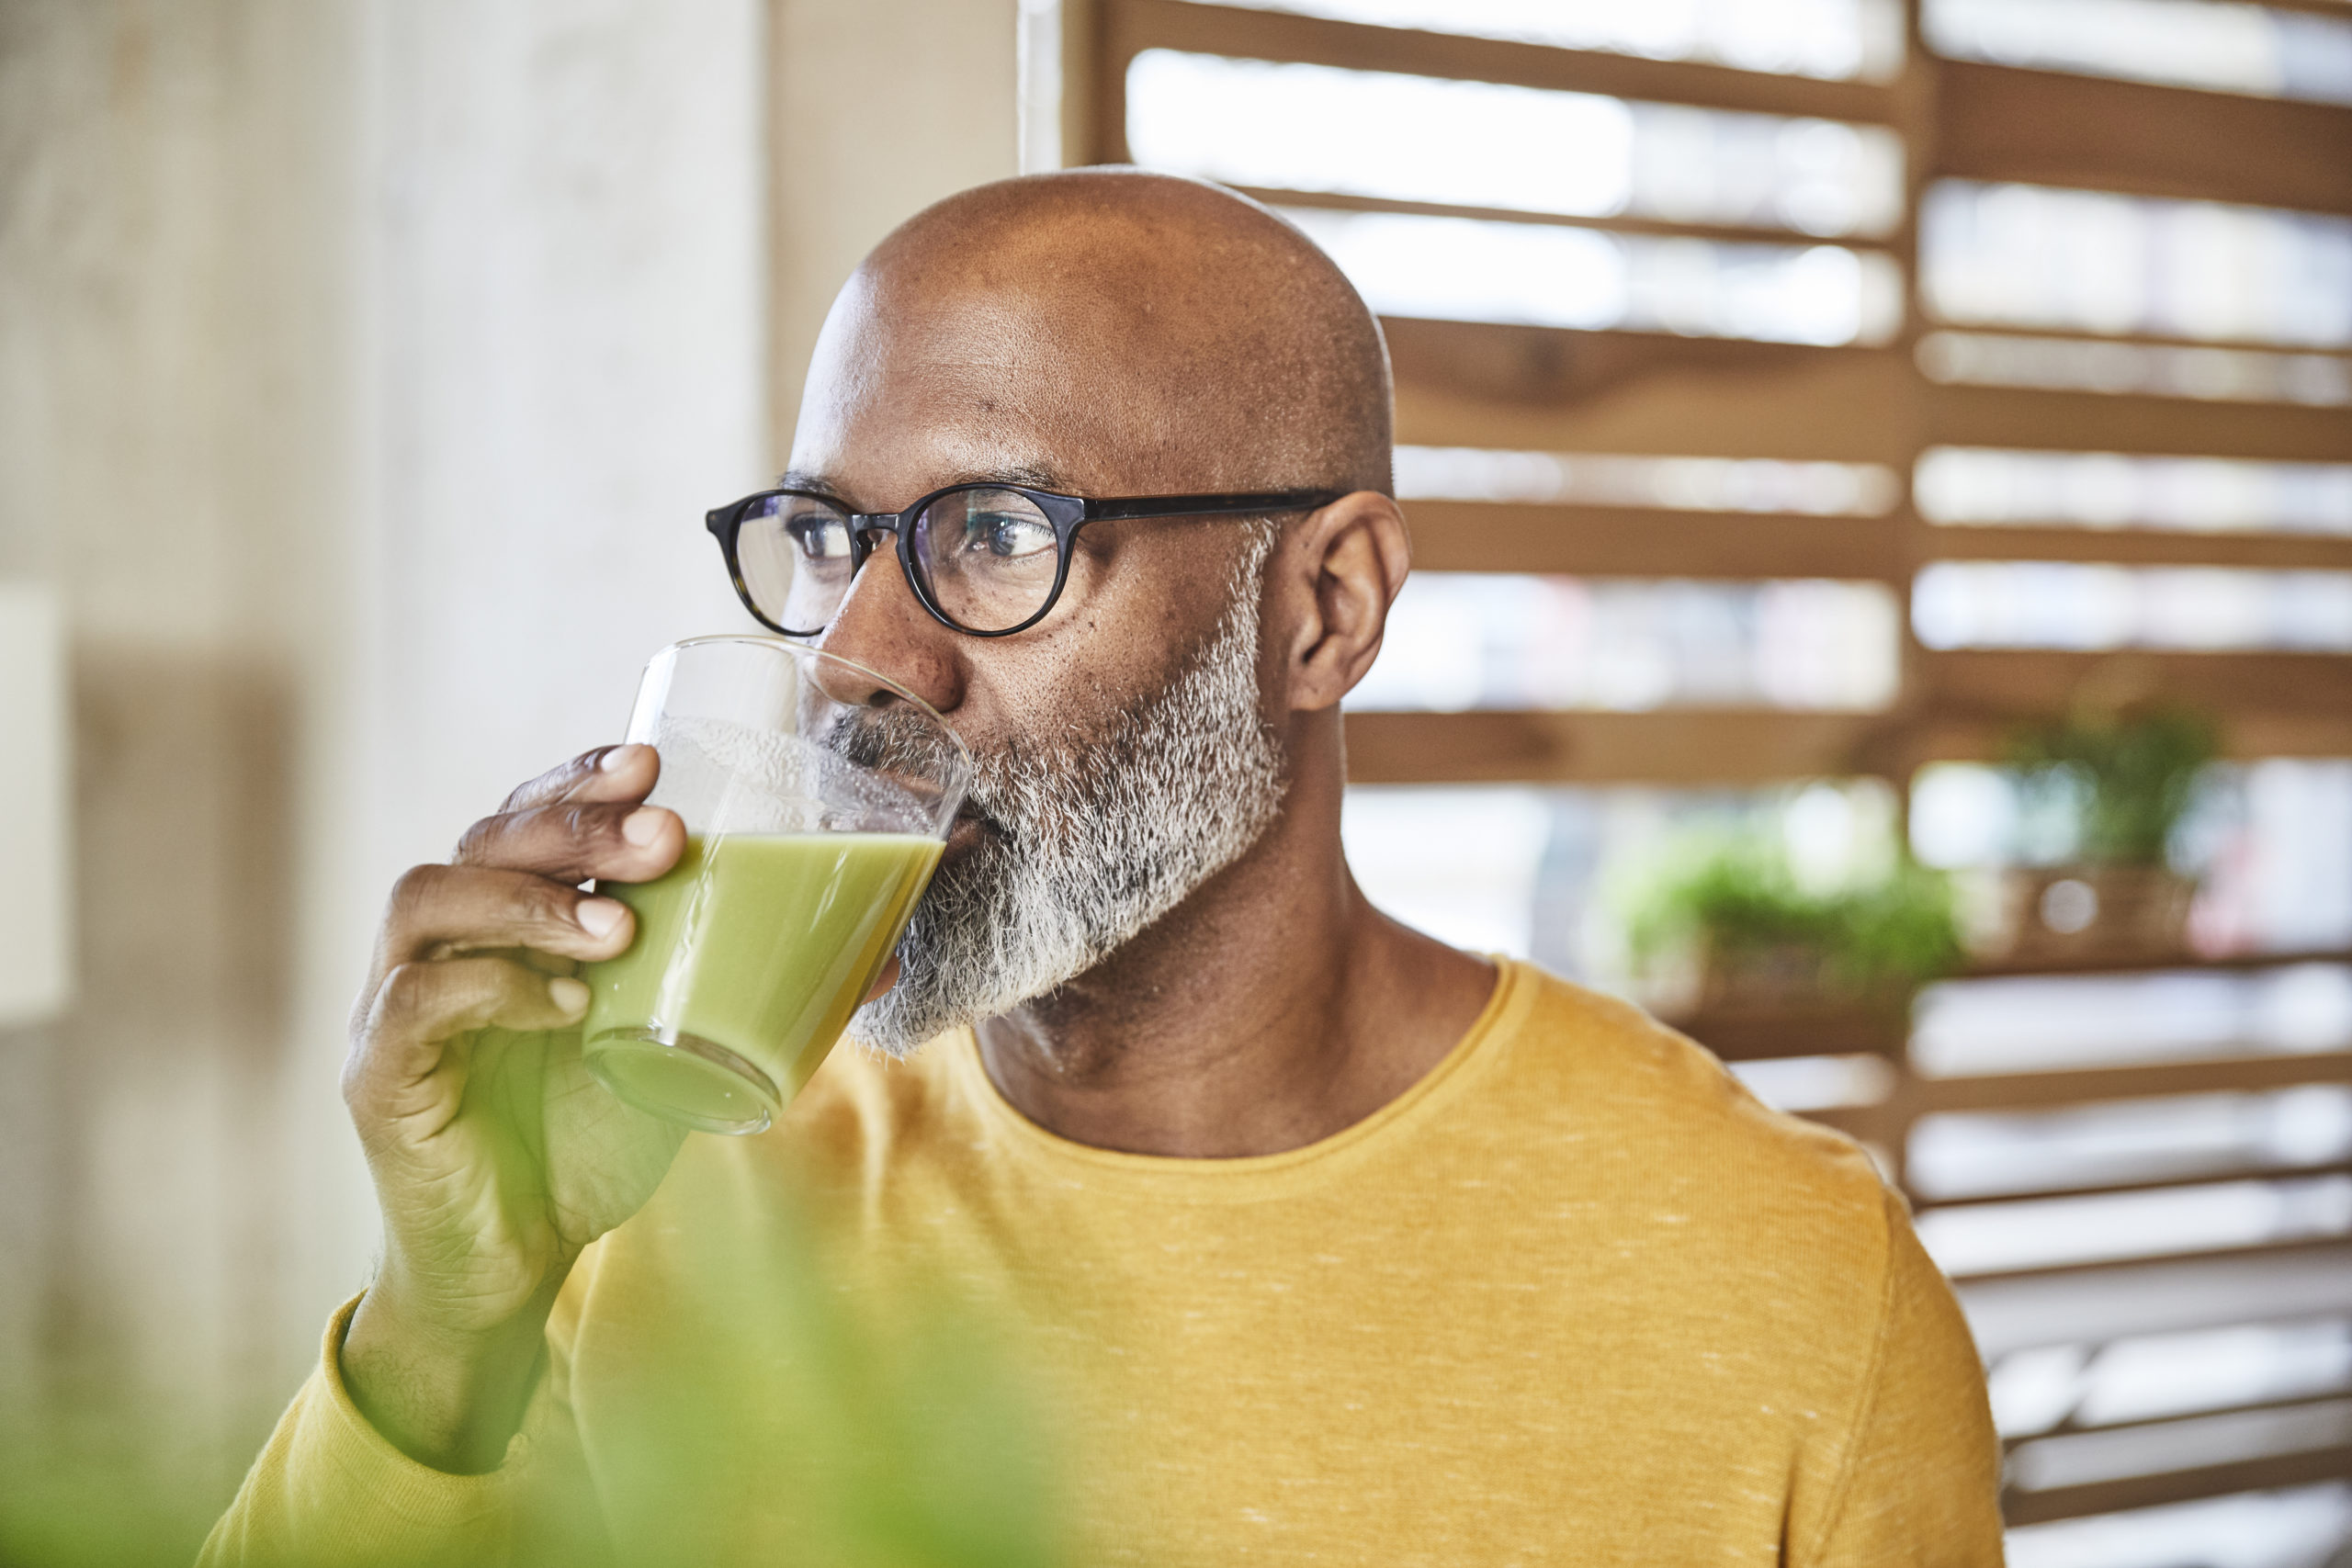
(819, 538)
(1007, 536)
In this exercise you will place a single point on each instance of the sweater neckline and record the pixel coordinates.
(1252, 1176)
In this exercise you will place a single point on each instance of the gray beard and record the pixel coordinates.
(1084, 843)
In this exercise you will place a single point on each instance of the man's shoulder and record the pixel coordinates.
(1598, 1081)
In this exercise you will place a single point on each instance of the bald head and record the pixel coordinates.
(1132, 332)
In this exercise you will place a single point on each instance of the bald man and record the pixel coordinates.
(1304, 1236)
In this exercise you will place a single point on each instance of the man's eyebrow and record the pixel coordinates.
(1018, 474)
(1004, 474)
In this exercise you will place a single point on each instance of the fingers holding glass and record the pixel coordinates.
(438, 911)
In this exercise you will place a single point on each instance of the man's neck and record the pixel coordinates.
(1273, 1008)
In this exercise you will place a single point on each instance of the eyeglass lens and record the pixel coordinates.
(988, 558)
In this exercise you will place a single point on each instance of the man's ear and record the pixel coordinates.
(1339, 571)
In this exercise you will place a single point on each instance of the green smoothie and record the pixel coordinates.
(750, 954)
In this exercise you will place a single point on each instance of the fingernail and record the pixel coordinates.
(616, 758)
(597, 917)
(570, 996)
(641, 828)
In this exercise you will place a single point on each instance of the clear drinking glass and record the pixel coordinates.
(813, 825)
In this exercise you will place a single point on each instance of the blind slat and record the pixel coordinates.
(1137, 25)
(2041, 128)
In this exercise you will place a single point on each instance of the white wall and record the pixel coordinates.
(176, 291)
(881, 107)
(365, 367)
(572, 316)
(36, 977)
(565, 334)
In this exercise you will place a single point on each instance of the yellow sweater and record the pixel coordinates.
(1574, 1298)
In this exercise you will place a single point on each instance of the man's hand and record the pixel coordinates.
(496, 1157)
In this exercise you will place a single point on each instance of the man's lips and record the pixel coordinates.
(966, 834)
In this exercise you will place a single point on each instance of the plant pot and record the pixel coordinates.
(2092, 914)
(1777, 1001)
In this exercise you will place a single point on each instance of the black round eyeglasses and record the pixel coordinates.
(985, 558)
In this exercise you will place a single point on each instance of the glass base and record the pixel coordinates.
(685, 1079)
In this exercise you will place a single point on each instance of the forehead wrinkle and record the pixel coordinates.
(1126, 400)
(956, 416)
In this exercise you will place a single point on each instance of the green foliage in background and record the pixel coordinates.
(1732, 895)
(862, 1431)
(2125, 778)
(95, 1511)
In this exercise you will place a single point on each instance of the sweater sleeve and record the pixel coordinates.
(1921, 1486)
(330, 1490)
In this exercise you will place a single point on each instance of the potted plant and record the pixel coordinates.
(1726, 941)
(2114, 784)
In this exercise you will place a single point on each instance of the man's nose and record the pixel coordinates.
(882, 626)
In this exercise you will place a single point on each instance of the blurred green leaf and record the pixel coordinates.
(2125, 777)
(1730, 894)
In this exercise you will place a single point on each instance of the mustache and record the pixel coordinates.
(887, 739)
(901, 743)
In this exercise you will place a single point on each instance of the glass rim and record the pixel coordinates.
(795, 647)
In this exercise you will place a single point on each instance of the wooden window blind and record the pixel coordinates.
(1795, 338)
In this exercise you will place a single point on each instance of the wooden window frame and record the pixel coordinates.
(1466, 384)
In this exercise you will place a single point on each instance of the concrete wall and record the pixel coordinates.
(176, 314)
(880, 107)
(365, 369)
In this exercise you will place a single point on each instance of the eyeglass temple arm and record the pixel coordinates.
(1207, 505)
